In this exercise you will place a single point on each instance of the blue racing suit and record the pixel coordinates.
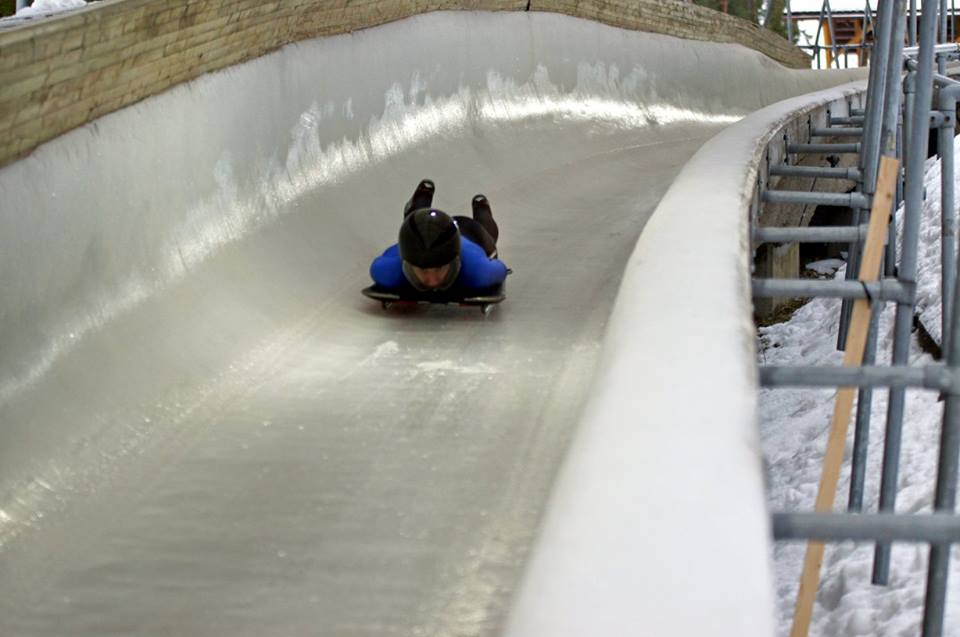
(477, 271)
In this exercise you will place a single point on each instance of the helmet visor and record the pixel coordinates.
(432, 279)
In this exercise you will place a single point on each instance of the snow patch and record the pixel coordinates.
(388, 348)
(449, 366)
(928, 308)
(46, 8)
(826, 266)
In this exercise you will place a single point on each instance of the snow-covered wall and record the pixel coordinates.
(662, 491)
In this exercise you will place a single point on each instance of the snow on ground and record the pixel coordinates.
(826, 266)
(928, 258)
(794, 425)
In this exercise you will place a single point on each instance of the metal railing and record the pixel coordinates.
(895, 122)
(867, 18)
(836, 51)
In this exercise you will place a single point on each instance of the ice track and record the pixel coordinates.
(205, 429)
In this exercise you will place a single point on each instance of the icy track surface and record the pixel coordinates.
(206, 430)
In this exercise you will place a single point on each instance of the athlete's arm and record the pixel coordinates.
(387, 269)
(479, 271)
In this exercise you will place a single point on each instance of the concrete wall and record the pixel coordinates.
(62, 72)
(783, 260)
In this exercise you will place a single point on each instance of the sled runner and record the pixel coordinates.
(484, 299)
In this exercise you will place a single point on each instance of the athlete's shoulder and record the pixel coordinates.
(469, 248)
(387, 269)
(392, 251)
(479, 270)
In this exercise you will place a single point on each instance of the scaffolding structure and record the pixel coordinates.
(908, 95)
(845, 33)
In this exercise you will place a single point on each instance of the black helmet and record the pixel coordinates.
(429, 238)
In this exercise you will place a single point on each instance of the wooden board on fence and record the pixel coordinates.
(852, 357)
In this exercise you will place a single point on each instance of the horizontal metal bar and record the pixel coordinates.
(944, 80)
(850, 199)
(935, 377)
(823, 148)
(819, 172)
(934, 528)
(838, 131)
(883, 290)
(852, 120)
(813, 234)
(857, 112)
(937, 48)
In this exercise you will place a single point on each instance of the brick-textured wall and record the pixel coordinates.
(62, 72)
(680, 19)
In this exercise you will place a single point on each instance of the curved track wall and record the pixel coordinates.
(692, 542)
(63, 72)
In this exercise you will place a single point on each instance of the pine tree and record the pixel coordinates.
(776, 20)
(746, 9)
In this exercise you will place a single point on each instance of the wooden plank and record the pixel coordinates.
(852, 357)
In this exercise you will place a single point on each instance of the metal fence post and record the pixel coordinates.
(948, 223)
(861, 436)
(909, 95)
(870, 149)
(953, 16)
(789, 23)
(835, 62)
(893, 124)
(908, 274)
(890, 39)
(942, 59)
(946, 494)
(912, 38)
(890, 261)
(943, 21)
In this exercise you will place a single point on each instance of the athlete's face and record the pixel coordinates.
(432, 278)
